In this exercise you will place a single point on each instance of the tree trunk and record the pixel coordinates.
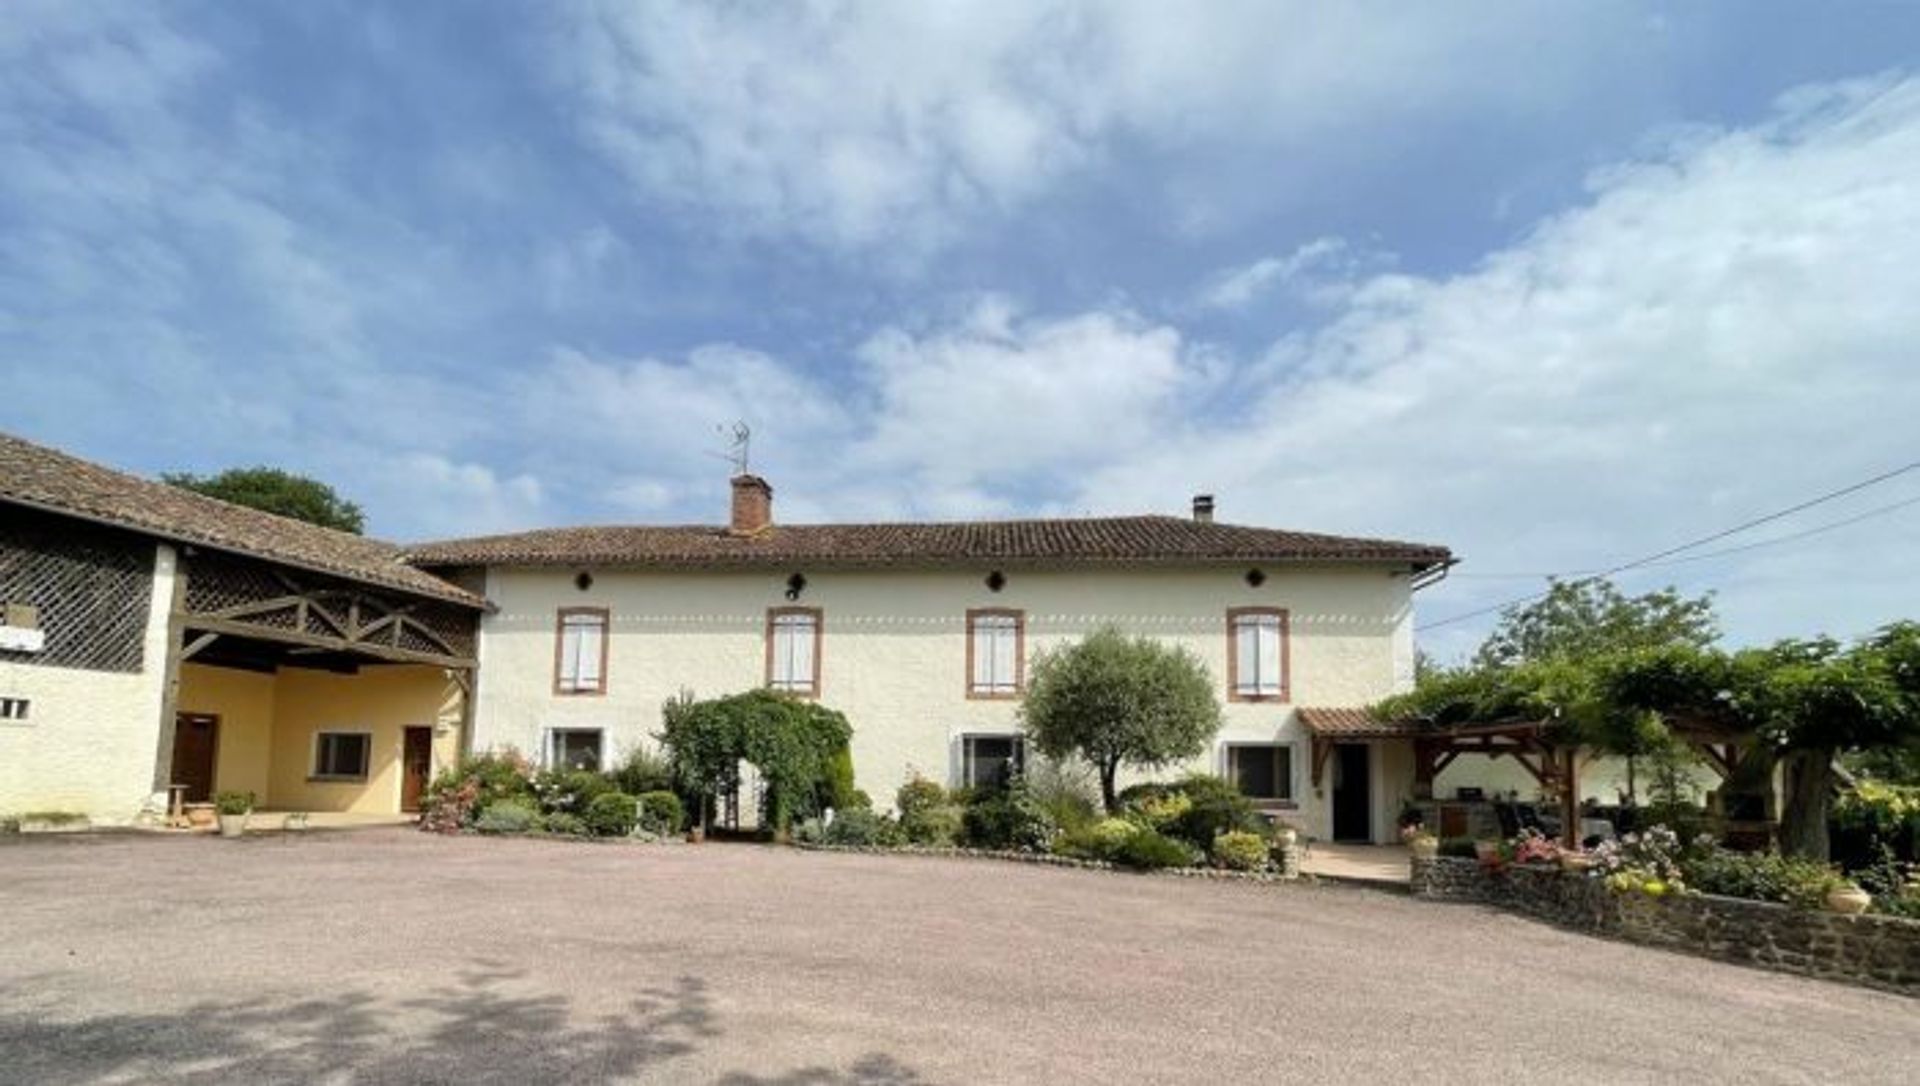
(1109, 798)
(1633, 793)
(1807, 781)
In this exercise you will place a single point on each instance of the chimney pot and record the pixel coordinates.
(752, 505)
(1203, 508)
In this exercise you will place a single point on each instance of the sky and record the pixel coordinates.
(1559, 287)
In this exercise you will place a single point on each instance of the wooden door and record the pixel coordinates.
(416, 767)
(195, 738)
(1352, 793)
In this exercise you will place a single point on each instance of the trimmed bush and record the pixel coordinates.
(1007, 819)
(1150, 851)
(1214, 807)
(570, 790)
(661, 813)
(566, 825)
(928, 815)
(457, 796)
(859, 828)
(640, 772)
(1762, 876)
(613, 814)
(1100, 841)
(1240, 851)
(508, 816)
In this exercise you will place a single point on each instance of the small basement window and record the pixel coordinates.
(574, 748)
(14, 708)
(989, 761)
(341, 756)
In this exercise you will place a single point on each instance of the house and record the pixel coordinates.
(921, 634)
(156, 641)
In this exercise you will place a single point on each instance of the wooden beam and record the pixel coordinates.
(1570, 799)
(209, 624)
(170, 667)
(1321, 748)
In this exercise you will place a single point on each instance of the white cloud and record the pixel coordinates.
(875, 126)
(1320, 272)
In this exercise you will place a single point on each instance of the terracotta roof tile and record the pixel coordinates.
(1353, 724)
(44, 478)
(1135, 540)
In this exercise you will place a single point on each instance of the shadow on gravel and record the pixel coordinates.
(468, 1032)
(472, 1031)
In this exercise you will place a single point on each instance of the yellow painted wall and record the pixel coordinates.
(380, 700)
(243, 700)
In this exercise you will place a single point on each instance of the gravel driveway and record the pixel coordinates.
(392, 956)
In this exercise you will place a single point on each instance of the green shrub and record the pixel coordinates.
(1762, 876)
(611, 814)
(457, 796)
(570, 790)
(640, 772)
(1065, 790)
(1214, 807)
(1240, 851)
(836, 787)
(563, 824)
(858, 828)
(1874, 822)
(1099, 841)
(507, 816)
(858, 800)
(1009, 818)
(233, 803)
(928, 814)
(1148, 851)
(661, 813)
(1460, 848)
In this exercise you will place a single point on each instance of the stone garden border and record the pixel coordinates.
(1289, 873)
(1873, 951)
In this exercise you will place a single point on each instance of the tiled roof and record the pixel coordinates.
(1353, 724)
(37, 476)
(1161, 540)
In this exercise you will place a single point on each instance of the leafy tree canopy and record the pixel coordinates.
(1116, 700)
(274, 491)
(1578, 619)
(795, 745)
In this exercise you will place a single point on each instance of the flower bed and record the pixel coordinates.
(1873, 950)
(1288, 871)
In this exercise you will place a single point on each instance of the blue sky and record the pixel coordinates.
(1558, 287)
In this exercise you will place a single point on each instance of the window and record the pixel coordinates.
(341, 755)
(988, 761)
(1261, 770)
(14, 708)
(580, 651)
(1256, 654)
(574, 748)
(793, 650)
(996, 643)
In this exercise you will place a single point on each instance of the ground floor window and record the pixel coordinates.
(988, 761)
(1261, 771)
(341, 756)
(574, 748)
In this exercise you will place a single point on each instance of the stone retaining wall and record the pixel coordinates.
(1288, 871)
(1876, 951)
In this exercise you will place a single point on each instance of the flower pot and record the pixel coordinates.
(1286, 837)
(1576, 862)
(1848, 900)
(696, 835)
(233, 825)
(1424, 848)
(200, 815)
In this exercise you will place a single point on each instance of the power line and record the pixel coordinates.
(1691, 544)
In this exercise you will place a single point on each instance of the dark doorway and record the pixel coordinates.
(1352, 793)
(195, 737)
(416, 766)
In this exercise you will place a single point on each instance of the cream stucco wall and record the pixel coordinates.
(243, 741)
(89, 742)
(380, 700)
(894, 651)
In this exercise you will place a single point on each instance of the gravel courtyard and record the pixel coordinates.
(392, 956)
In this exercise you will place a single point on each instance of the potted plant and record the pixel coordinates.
(1848, 899)
(200, 816)
(1423, 845)
(1575, 861)
(234, 808)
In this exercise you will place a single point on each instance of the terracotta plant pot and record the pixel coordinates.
(696, 835)
(200, 815)
(233, 825)
(1848, 900)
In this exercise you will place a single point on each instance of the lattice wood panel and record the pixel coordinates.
(324, 606)
(92, 587)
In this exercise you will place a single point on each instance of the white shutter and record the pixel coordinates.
(587, 663)
(1246, 645)
(1269, 655)
(982, 677)
(569, 655)
(1004, 668)
(793, 652)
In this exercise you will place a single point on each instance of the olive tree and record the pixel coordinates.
(1115, 700)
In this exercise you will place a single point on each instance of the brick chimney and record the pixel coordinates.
(1203, 509)
(752, 505)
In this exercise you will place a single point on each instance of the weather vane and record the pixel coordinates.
(737, 449)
